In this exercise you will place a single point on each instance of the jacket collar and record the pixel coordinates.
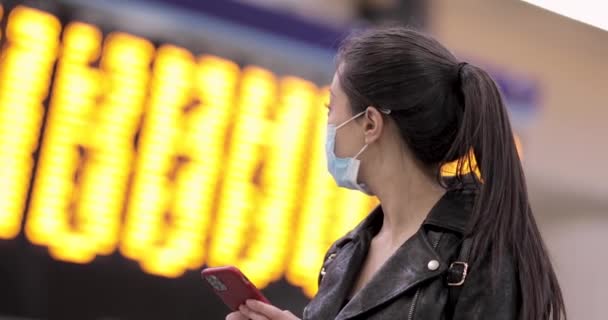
(406, 268)
(452, 211)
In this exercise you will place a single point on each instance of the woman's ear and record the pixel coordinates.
(373, 124)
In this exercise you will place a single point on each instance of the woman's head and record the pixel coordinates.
(403, 84)
(413, 76)
(368, 135)
(417, 80)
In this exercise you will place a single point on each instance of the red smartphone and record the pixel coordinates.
(231, 285)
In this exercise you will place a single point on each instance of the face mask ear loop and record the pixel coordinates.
(349, 120)
(361, 151)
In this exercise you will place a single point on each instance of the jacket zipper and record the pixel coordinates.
(410, 315)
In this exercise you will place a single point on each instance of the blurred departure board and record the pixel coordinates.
(176, 160)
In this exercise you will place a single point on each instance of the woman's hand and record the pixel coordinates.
(256, 310)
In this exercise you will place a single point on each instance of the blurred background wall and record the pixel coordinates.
(75, 244)
(566, 151)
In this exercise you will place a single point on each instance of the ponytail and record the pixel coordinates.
(502, 223)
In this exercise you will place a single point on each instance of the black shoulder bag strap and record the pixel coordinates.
(457, 274)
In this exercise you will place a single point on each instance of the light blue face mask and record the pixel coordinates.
(344, 170)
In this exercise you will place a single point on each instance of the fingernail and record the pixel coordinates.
(251, 302)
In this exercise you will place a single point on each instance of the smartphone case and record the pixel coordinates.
(231, 285)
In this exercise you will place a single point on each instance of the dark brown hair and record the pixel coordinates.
(445, 109)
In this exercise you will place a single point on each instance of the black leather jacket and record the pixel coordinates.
(412, 283)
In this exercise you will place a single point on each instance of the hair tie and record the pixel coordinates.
(458, 82)
(459, 68)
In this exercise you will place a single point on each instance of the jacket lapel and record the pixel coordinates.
(351, 251)
(340, 274)
(402, 272)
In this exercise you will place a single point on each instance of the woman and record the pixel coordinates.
(466, 247)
